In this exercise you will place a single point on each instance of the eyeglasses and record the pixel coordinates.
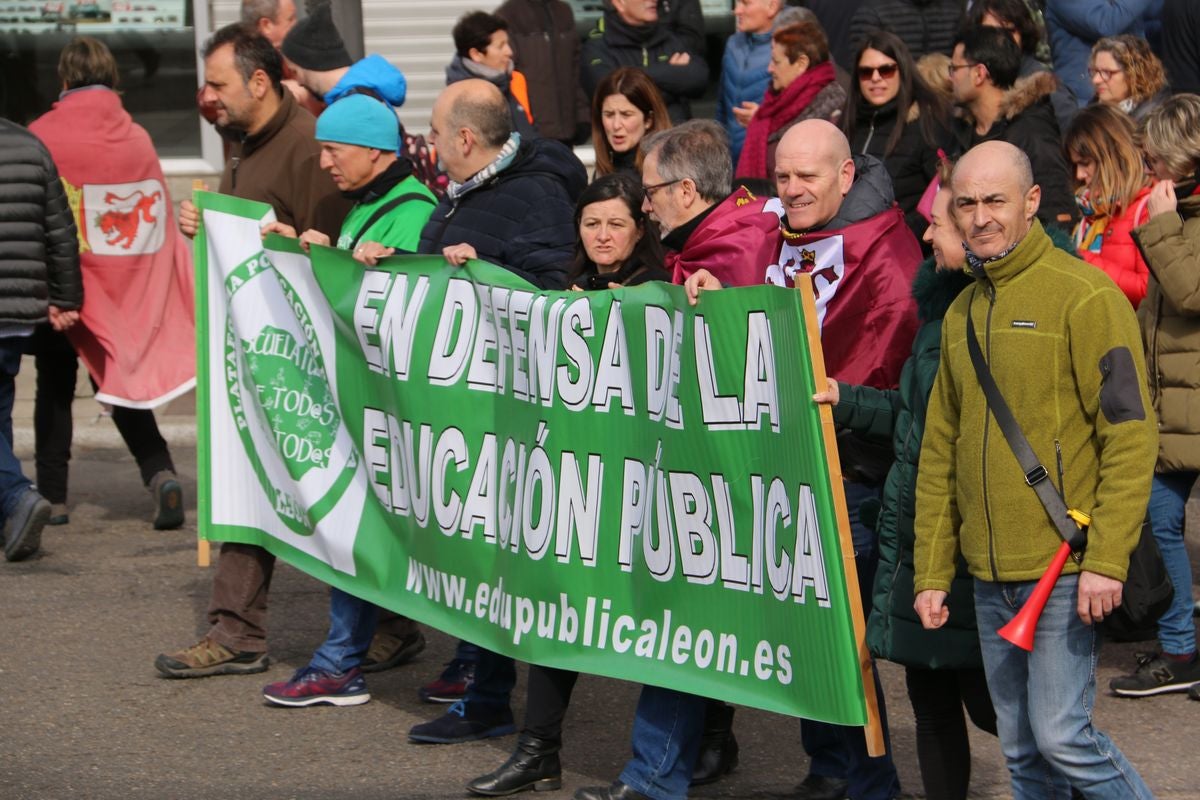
(1105, 74)
(650, 190)
(886, 72)
(953, 68)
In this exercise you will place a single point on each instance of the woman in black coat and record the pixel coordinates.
(892, 114)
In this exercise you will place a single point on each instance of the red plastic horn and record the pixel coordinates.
(1020, 628)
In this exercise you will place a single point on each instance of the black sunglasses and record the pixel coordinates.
(886, 71)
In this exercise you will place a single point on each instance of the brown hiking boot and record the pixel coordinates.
(207, 657)
(389, 651)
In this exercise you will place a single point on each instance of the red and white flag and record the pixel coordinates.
(137, 332)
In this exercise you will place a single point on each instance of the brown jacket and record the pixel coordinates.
(546, 50)
(280, 165)
(1170, 319)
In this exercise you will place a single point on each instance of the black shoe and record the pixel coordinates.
(718, 747)
(618, 791)
(821, 787)
(465, 722)
(168, 501)
(533, 765)
(23, 528)
(1156, 675)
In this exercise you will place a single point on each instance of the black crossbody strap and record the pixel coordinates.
(1036, 474)
(385, 209)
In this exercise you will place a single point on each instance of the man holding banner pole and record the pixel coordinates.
(276, 160)
(839, 223)
(1063, 346)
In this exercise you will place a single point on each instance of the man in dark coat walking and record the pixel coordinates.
(39, 279)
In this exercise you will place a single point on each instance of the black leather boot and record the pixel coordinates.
(533, 765)
(718, 747)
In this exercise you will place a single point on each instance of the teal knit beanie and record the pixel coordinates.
(361, 120)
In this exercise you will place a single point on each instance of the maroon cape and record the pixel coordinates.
(862, 274)
(737, 242)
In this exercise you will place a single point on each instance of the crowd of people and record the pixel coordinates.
(1020, 168)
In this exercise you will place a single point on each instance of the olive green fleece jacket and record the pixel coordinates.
(1063, 345)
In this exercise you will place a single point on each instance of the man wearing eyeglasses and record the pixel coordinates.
(998, 107)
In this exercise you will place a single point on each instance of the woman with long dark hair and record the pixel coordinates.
(1113, 193)
(618, 245)
(892, 114)
(625, 108)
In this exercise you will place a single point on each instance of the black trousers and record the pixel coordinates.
(53, 428)
(943, 750)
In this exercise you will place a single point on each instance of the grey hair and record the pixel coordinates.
(793, 15)
(254, 10)
(488, 117)
(698, 149)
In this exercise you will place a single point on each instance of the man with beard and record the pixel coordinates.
(275, 160)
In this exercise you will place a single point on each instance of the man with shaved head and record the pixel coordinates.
(839, 223)
(1064, 349)
(511, 203)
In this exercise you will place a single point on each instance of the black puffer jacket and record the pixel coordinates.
(925, 26)
(912, 164)
(1181, 44)
(522, 219)
(613, 43)
(39, 251)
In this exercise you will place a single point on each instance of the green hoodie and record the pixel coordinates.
(1063, 345)
(400, 227)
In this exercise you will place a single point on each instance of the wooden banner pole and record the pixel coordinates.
(873, 728)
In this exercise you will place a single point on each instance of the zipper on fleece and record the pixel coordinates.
(990, 290)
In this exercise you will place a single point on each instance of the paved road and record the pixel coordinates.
(84, 715)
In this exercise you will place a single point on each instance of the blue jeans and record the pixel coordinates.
(1044, 698)
(351, 626)
(13, 482)
(667, 730)
(495, 677)
(1168, 497)
(835, 751)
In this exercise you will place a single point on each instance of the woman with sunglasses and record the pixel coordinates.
(892, 114)
(625, 108)
(1113, 190)
(1127, 74)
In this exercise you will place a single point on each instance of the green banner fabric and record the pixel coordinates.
(611, 482)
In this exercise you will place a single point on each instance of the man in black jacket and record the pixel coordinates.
(632, 35)
(510, 203)
(998, 106)
(1181, 44)
(39, 279)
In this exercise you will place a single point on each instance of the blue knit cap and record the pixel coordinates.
(361, 120)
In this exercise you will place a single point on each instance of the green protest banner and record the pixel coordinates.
(611, 482)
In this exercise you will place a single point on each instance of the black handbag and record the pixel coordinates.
(1147, 592)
